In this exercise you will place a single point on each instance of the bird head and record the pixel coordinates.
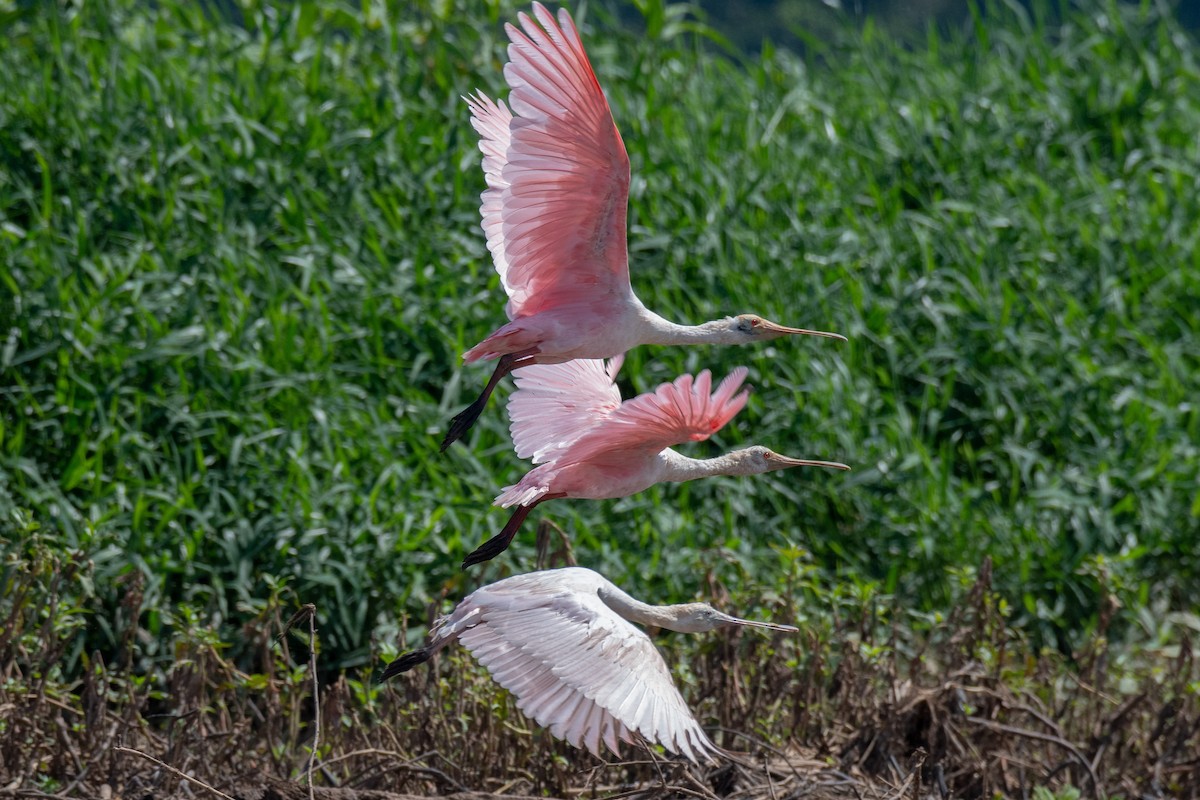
(746, 328)
(700, 617)
(758, 459)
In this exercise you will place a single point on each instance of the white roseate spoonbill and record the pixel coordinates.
(570, 420)
(561, 642)
(554, 215)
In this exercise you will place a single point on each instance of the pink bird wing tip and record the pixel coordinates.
(732, 382)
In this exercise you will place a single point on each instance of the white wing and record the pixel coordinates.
(575, 666)
(555, 404)
(491, 121)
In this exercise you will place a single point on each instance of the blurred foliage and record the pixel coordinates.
(240, 257)
(798, 24)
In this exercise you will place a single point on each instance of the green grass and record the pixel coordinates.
(239, 260)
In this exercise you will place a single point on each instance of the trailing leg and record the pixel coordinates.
(406, 662)
(466, 418)
(500, 542)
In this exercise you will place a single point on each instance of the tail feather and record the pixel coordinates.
(404, 663)
(528, 491)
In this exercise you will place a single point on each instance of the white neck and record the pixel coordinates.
(659, 330)
(643, 613)
(678, 468)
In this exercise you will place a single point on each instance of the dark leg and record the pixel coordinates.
(466, 418)
(404, 663)
(500, 542)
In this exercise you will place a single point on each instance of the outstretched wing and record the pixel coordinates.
(685, 410)
(578, 668)
(564, 185)
(554, 404)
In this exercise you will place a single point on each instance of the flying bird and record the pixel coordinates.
(557, 178)
(562, 642)
(569, 419)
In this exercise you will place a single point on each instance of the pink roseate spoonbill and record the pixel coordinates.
(561, 642)
(570, 420)
(553, 211)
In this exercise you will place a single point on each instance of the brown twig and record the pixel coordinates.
(1044, 737)
(172, 770)
(312, 665)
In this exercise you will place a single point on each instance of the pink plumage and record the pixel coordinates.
(558, 180)
(554, 209)
(570, 420)
(597, 447)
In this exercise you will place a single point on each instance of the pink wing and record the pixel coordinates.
(491, 121)
(556, 403)
(682, 411)
(567, 175)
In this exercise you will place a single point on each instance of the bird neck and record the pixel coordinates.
(660, 330)
(643, 613)
(678, 468)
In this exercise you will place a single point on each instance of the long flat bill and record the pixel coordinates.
(777, 328)
(751, 623)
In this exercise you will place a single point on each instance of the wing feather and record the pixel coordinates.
(563, 153)
(592, 725)
(575, 666)
(681, 411)
(554, 404)
(491, 120)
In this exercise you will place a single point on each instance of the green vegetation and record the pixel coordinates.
(240, 257)
(239, 260)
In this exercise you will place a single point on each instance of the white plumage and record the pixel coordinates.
(561, 642)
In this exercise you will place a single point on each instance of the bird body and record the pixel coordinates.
(570, 420)
(586, 330)
(554, 215)
(562, 642)
(610, 478)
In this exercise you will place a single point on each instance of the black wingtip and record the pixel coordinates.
(404, 663)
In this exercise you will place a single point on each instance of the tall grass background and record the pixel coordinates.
(240, 257)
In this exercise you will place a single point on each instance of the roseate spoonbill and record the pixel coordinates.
(560, 640)
(554, 215)
(569, 418)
